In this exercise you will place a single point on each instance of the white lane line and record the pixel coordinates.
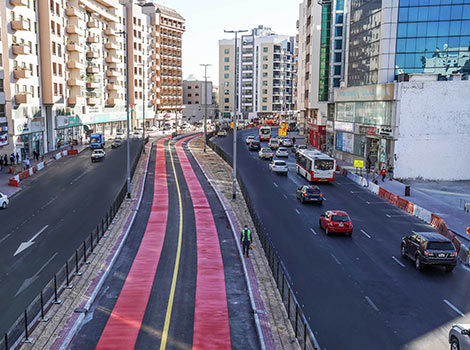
(365, 233)
(356, 191)
(275, 184)
(285, 196)
(336, 259)
(371, 303)
(4, 238)
(297, 210)
(313, 231)
(454, 308)
(387, 215)
(376, 202)
(398, 261)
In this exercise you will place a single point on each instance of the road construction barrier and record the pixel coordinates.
(72, 151)
(422, 213)
(14, 181)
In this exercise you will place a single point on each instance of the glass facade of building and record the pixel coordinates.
(433, 37)
(324, 52)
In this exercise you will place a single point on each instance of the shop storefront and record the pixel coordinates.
(69, 130)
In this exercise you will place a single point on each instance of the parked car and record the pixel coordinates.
(297, 148)
(282, 152)
(265, 153)
(286, 142)
(337, 221)
(254, 145)
(279, 167)
(4, 200)
(249, 139)
(273, 143)
(222, 133)
(459, 337)
(429, 248)
(97, 154)
(309, 193)
(116, 143)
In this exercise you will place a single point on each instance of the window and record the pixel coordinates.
(226, 59)
(58, 29)
(265, 91)
(31, 89)
(226, 67)
(59, 50)
(226, 76)
(53, 48)
(226, 100)
(265, 49)
(1, 85)
(55, 89)
(54, 68)
(226, 92)
(189, 95)
(265, 58)
(226, 51)
(265, 108)
(226, 83)
(265, 99)
(265, 74)
(265, 66)
(265, 83)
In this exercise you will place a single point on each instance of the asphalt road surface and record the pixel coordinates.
(56, 211)
(98, 329)
(357, 293)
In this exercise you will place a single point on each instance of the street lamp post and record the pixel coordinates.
(205, 104)
(143, 110)
(235, 104)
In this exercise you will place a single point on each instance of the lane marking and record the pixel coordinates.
(387, 215)
(365, 233)
(454, 308)
(4, 238)
(336, 259)
(395, 215)
(297, 210)
(356, 191)
(29, 281)
(275, 184)
(376, 202)
(398, 261)
(313, 231)
(284, 196)
(371, 303)
(77, 178)
(26, 245)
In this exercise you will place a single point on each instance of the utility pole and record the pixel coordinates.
(235, 105)
(143, 110)
(205, 65)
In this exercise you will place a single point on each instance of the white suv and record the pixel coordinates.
(3, 200)
(459, 337)
(279, 167)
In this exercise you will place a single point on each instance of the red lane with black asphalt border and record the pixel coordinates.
(123, 326)
(211, 329)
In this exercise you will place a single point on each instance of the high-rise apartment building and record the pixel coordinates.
(266, 72)
(196, 94)
(68, 64)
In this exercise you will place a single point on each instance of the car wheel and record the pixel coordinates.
(449, 268)
(327, 231)
(418, 264)
(403, 252)
(454, 344)
(4, 205)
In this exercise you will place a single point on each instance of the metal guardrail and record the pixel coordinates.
(50, 294)
(302, 329)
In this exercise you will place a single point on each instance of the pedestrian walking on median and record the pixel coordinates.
(383, 173)
(246, 241)
(5, 160)
(293, 140)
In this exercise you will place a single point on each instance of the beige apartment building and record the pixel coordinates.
(63, 69)
(266, 74)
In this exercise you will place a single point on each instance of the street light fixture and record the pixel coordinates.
(205, 65)
(235, 104)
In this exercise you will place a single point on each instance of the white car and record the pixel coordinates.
(459, 337)
(138, 131)
(3, 200)
(249, 139)
(273, 143)
(279, 167)
(265, 153)
(282, 152)
(97, 155)
(222, 133)
(286, 142)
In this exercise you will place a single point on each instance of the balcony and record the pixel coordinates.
(109, 32)
(154, 45)
(111, 102)
(74, 82)
(19, 2)
(20, 73)
(92, 101)
(111, 59)
(92, 55)
(73, 29)
(154, 56)
(111, 46)
(155, 101)
(92, 39)
(19, 25)
(155, 67)
(73, 48)
(155, 33)
(111, 87)
(74, 100)
(112, 73)
(22, 98)
(74, 65)
(92, 85)
(92, 24)
(92, 70)
(72, 12)
(20, 49)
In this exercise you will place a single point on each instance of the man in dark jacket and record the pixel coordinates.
(246, 241)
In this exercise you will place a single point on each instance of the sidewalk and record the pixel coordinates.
(49, 158)
(456, 220)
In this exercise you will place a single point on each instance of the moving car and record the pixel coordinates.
(286, 142)
(279, 167)
(97, 155)
(3, 200)
(337, 221)
(273, 143)
(222, 133)
(282, 152)
(265, 153)
(309, 193)
(249, 139)
(429, 248)
(116, 143)
(298, 148)
(138, 132)
(254, 145)
(459, 337)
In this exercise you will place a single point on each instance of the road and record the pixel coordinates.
(357, 293)
(178, 283)
(55, 212)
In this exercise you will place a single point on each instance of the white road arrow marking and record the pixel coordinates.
(29, 281)
(26, 245)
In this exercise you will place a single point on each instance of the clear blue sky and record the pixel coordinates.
(207, 19)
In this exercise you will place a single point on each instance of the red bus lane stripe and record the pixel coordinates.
(125, 321)
(211, 324)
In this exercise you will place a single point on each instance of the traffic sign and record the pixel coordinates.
(282, 132)
(468, 230)
(358, 163)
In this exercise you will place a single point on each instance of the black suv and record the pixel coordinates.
(309, 193)
(254, 145)
(429, 248)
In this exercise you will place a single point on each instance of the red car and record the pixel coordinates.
(336, 221)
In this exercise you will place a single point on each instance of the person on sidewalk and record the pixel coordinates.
(390, 172)
(17, 158)
(5, 160)
(12, 159)
(383, 173)
(246, 241)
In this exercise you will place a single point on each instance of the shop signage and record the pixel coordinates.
(358, 163)
(344, 126)
(385, 131)
(378, 92)
(329, 126)
(3, 139)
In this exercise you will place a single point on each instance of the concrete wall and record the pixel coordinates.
(434, 130)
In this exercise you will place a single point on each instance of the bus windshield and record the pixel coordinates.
(265, 131)
(324, 164)
(95, 140)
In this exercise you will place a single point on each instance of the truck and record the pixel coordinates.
(97, 141)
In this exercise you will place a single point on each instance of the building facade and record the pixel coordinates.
(196, 94)
(68, 69)
(266, 73)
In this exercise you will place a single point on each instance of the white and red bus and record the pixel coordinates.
(315, 166)
(264, 133)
